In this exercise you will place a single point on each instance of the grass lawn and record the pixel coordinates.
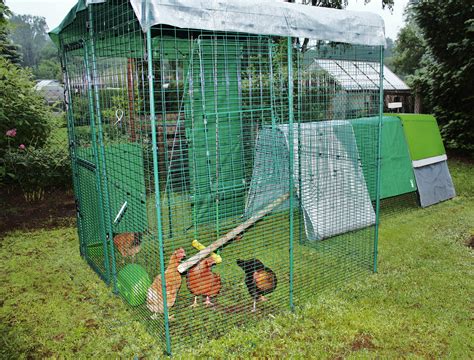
(419, 305)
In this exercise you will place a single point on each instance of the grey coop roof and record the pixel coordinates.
(266, 17)
(360, 75)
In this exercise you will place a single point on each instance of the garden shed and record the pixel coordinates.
(352, 76)
(183, 118)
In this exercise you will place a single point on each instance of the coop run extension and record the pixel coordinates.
(218, 174)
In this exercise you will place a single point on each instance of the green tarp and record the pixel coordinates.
(397, 176)
(422, 135)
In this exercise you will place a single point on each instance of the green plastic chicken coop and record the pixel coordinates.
(202, 133)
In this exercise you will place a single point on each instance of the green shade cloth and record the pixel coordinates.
(422, 135)
(397, 175)
(70, 17)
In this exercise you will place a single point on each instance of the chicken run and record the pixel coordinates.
(217, 176)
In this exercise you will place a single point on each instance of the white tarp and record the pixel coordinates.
(265, 17)
(334, 194)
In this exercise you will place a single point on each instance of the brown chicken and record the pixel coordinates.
(173, 284)
(128, 244)
(202, 281)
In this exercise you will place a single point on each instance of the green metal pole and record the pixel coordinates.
(72, 144)
(379, 161)
(102, 162)
(96, 160)
(300, 58)
(165, 143)
(290, 170)
(157, 187)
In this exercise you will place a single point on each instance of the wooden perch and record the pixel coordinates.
(184, 266)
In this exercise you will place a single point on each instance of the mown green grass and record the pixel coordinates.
(419, 305)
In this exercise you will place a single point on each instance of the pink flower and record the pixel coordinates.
(22, 147)
(11, 133)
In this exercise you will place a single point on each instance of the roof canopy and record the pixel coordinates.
(360, 75)
(266, 17)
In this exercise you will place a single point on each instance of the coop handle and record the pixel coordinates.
(119, 216)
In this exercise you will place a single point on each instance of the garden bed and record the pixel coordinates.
(55, 209)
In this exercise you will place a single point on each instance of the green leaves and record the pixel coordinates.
(20, 107)
(435, 49)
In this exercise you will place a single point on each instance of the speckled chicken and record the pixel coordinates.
(202, 281)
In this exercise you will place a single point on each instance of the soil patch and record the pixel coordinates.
(470, 242)
(362, 341)
(55, 210)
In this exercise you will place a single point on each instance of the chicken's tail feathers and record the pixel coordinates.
(154, 302)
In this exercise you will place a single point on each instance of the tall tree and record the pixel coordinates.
(31, 34)
(39, 52)
(7, 49)
(409, 49)
(448, 29)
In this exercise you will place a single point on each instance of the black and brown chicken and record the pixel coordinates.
(260, 280)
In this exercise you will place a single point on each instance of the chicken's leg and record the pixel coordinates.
(195, 303)
(208, 301)
(254, 308)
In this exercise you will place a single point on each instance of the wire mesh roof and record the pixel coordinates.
(360, 75)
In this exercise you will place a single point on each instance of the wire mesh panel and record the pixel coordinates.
(219, 176)
(338, 190)
(85, 151)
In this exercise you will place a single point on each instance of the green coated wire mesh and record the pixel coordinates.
(181, 138)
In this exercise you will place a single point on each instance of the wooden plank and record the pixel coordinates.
(183, 267)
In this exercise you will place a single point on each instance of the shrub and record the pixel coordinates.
(35, 169)
(21, 108)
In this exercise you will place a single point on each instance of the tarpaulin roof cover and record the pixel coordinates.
(397, 175)
(423, 136)
(255, 17)
(332, 182)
